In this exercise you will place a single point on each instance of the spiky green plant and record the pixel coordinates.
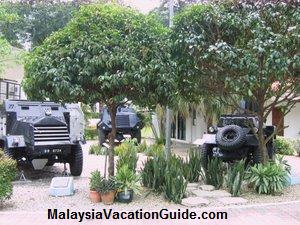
(235, 176)
(214, 174)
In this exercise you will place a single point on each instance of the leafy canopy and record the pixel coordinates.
(106, 53)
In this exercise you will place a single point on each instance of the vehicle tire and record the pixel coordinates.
(138, 135)
(76, 160)
(8, 152)
(205, 155)
(102, 137)
(50, 163)
(231, 137)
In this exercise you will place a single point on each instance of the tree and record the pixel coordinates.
(107, 53)
(37, 20)
(5, 48)
(243, 51)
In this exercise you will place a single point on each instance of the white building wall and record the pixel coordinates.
(292, 120)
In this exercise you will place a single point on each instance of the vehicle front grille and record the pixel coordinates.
(123, 121)
(44, 135)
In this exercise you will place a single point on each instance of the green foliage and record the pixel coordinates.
(153, 174)
(97, 150)
(175, 184)
(142, 147)
(107, 53)
(270, 178)
(8, 171)
(155, 150)
(36, 22)
(127, 180)
(95, 181)
(296, 145)
(219, 47)
(107, 185)
(192, 166)
(283, 146)
(127, 153)
(91, 133)
(235, 176)
(214, 175)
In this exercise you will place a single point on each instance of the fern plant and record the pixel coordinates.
(214, 174)
(270, 178)
(175, 183)
(192, 166)
(235, 176)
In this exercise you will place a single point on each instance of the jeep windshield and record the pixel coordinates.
(240, 121)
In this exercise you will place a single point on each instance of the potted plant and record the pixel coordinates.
(107, 190)
(95, 182)
(127, 183)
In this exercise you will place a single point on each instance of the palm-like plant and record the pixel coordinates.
(127, 180)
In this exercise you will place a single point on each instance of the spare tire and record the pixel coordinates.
(231, 137)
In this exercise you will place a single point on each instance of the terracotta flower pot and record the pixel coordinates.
(108, 197)
(95, 196)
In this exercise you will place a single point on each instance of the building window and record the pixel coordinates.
(194, 117)
(173, 130)
(181, 125)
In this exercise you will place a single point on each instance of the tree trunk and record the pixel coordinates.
(261, 137)
(112, 136)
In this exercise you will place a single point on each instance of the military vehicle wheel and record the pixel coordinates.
(204, 155)
(8, 152)
(50, 163)
(137, 135)
(76, 160)
(231, 137)
(102, 137)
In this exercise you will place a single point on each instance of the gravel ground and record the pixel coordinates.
(33, 194)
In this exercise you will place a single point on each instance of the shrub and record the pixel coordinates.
(127, 180)
(127, 153)
(192, 166)
(95, 181)
(283, 146)
(91, 133)
(155, 150)
(235, 176)
(296, 145)
(142, 147)
(214, 175)
(8, 171)
(175, 184)
(107, 185)
(270, 178)
(153, 174)
(97, 150)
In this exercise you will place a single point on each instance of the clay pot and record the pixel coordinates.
(108, 197)
(95, 196)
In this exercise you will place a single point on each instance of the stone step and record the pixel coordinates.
(211, 194)
(194, 201)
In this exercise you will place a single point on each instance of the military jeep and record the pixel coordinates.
(127, 122)
(42, 133)
(234, 139)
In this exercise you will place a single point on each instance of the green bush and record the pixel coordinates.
(192, 166)
(283, 146)
(95, 180)
(142, 147)
(127, 153)
(270, 178)
(8, 171)
(155, 150)
(153, 173)
(296, 145)
(91, 133)
(127, 180)
(214, 175)
(175, 184)
(97, 150)
(235, 176)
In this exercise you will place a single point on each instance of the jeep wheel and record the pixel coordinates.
(138, 135)
(8, 152)
(102, 137)
(76, 160)
(231, 137)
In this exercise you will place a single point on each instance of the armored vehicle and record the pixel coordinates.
(234, 139)
(128, 123)
(42, 133)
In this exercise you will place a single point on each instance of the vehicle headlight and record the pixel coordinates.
(211, 129)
